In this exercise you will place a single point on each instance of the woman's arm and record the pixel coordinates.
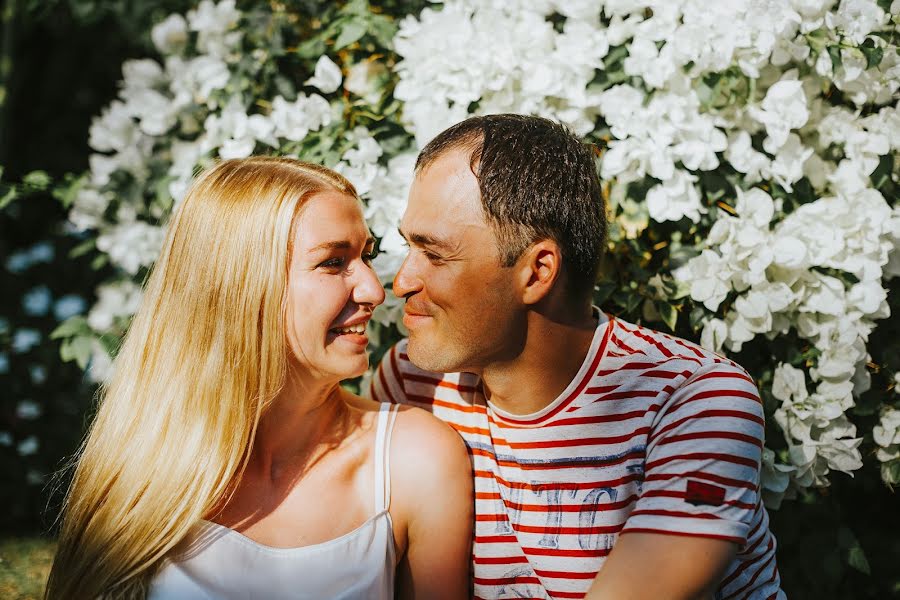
(432, 507)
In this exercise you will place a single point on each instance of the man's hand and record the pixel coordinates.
(655, 566)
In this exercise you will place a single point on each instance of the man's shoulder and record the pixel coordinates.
(631, 343)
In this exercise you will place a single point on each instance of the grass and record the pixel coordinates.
(24, 565)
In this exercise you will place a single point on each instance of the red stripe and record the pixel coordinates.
(594, 420)
(566, 443)
(736, 414)
(701, 475)
(383, 380)
(711, 435)
(674, 513)
(720, 393)
(712, 536)
(683, 495)
(566, 508)
(496, 539)
(650, 340)
(572, 464)
(738, 460)
(506, 580)
(566, 574)
(609, 530)
(440, 383)
(727, 375)
(500, 560)
(568, 485)
(565, 553)
(558, 594)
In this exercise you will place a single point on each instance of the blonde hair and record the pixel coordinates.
(203, 356)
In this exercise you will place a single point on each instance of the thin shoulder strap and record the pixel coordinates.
(387, 414)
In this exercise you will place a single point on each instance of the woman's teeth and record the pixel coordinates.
(358, 328)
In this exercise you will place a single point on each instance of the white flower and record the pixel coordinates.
(294, 120)
(675, 199)
(789, 384)
(170, 35)
(114, 300)
(787, 167)
(88, 209)
(363, 79)
(132, 245)
(887, 434)
(784, 108)
(327, 76)
(744, 158)
(114, 129)
(715, 332)
(856, 19)
(213, 23)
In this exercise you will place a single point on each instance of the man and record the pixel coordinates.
(609, 459)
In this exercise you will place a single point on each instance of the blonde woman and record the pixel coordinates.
(225, 460)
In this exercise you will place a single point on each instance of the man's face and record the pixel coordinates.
(461, 308)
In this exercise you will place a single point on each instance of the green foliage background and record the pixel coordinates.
(59, 64)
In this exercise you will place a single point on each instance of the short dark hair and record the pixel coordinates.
(537, 181)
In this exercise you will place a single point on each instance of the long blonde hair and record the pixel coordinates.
(204, 354)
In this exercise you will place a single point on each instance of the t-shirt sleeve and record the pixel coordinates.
(387, 382)
(703, 458)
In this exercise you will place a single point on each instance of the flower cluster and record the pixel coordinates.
(749, 159)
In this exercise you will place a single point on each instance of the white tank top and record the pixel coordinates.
(217, 562)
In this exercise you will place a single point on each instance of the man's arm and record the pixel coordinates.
(700, 493)
(649, 566)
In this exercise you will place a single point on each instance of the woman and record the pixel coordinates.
(225, 460)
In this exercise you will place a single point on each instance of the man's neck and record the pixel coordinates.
(553, 354)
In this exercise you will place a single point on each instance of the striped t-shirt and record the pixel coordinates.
(653, 434)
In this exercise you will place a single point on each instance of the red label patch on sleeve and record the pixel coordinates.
(699, 492)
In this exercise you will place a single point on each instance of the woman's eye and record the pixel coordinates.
(332, 263)
(368, 257)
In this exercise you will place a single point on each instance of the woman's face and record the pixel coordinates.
(332, 289)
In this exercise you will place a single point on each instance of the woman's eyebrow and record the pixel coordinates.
(339, 245)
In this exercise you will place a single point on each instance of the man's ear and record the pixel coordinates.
(539, 268)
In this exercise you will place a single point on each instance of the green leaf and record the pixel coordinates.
(38, 180)
(890, 472)
(83, 248)
(350, 34)
(834, 52)
(77, 349)
(856, 558)
(668, 313)
(311, 48)
(8, 196)
(76, 325)
(99, 262)
(872, 53)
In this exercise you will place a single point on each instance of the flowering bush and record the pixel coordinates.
(748, 153)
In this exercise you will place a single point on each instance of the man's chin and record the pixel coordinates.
(427, 355)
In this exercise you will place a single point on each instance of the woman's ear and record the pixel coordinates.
(539, 268)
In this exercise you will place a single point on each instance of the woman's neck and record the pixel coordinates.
(300, 425)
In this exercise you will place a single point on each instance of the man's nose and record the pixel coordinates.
(407, 281)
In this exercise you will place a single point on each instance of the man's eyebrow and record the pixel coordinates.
(421, 239)
(339, 245)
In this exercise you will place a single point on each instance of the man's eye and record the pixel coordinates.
(432, 257)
